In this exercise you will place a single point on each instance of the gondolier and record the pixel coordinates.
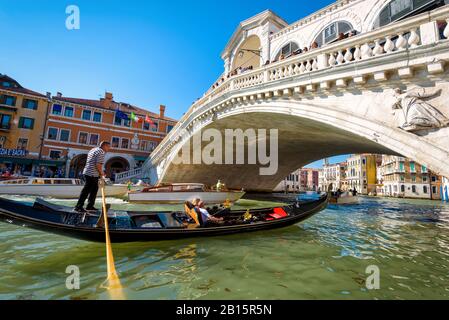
(92, 173)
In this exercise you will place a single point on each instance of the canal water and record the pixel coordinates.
(325, 257)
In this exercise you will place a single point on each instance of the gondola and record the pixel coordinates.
(133, 226)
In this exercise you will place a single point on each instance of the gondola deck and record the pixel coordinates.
(131, 226)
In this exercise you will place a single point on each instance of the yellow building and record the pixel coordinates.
(23, 115)
(361, 173)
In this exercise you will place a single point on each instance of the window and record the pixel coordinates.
(57, 109)
(412, 167)
(401, 166)
(87, 114)
(122, 122)
(287, 50)
(93, 139)
(434, 179)
(5, 121)
(423, 169)
(424, 179)
(26, 123)
(146, 125)
(115, 142)
(8, 100)
(125, 143)
(434, 190)
(413, 178)
(143, 145)
(117, 120)
(424, 189)
(155, 127)
(52, 133)
(169, 128)
(22, 144)
(331, 32)
(414, 189)
(399, 9)
(65, 135)
(68, 112)
(29, 104)
(2, 141)
(82, 138)
(402, 188)
(55, 154)
(97, 117)
(6, 84)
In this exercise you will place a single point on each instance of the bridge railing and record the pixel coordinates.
(127, 175)
(400, 36)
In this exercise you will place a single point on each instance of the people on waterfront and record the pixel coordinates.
(92, 173)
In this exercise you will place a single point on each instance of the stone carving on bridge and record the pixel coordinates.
(417, 113)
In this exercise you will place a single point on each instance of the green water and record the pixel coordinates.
(322, 258)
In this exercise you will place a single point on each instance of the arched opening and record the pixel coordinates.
(77, 166)
(116, 165)
(287, 50)
(397, 10)
(333, 32)
(248, 55)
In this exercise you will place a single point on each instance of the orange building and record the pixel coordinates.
(22, 121)
(74, 126)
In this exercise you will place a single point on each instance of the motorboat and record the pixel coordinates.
(131, 226)
(344, 198)
(181, 192)
(59, 188)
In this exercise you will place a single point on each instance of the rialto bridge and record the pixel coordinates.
(384, 89)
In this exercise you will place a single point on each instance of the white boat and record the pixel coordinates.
(182, 192)
(345, 198)
(54, 187)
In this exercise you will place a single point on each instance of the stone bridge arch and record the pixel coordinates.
(307, 132)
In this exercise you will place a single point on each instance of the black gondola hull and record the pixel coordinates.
(27, 216)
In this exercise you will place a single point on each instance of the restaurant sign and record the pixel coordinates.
(13, 152)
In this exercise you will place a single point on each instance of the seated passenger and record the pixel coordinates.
(206, 217)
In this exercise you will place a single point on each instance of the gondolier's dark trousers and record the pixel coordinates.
(90, 191)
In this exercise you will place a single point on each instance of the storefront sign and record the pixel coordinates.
(13, 152)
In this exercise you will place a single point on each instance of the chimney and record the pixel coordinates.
(107, 102)
(161, 111)
(59, 94)
(108, 96)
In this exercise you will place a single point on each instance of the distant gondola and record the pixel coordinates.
(131, 226)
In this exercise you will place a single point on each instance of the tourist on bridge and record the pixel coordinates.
(92, 173)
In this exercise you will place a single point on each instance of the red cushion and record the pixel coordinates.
(279, 213)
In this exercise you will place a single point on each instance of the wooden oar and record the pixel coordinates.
(113, 282)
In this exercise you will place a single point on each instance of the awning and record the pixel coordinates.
(51, 163)
(16, 160)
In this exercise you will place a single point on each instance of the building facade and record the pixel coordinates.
(22, 121)
(334, 176)
(306, 179)
(75, 126)
(361, 173)
(405, 178)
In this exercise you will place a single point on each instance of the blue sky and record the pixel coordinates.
(145, 52)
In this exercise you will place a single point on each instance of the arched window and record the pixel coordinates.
(400, 9)
(287, 50)
(331, 32)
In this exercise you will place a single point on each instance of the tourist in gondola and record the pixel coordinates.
(92, 173)
(206, 217)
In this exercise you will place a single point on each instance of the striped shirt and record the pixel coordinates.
(94, 157)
